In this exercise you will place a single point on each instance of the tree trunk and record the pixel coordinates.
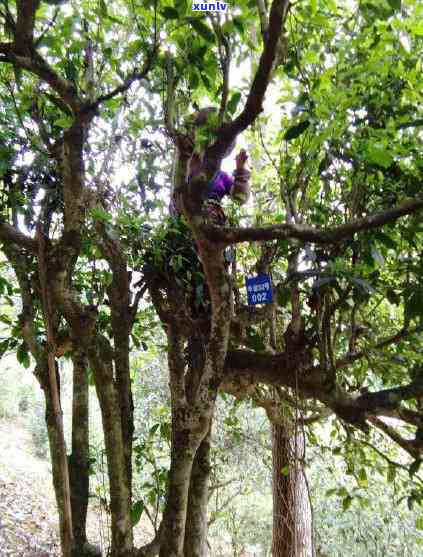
(291, 507)
(59, 472)
(186, 440)
(120, 301)
(196, 522)
(79, 459)
(122, 539)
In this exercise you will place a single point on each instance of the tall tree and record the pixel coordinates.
(342, 232)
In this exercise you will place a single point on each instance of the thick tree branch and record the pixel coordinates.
(9, 233)
(35, 64)
(387, 399)
(284, 369)
(247, 368)
(305, 233)
(253, 106)
(247, 315)
(25, 23)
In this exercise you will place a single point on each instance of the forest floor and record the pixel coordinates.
(28, 525)
(28, 516)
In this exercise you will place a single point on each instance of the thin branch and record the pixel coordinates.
(225, 63)
(50, 24)
(132, 78)
(138, 297)
(354, 356)
(170, 97)
(136, 75)
(411, 446)
(264, 19)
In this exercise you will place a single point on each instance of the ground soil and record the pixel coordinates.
(28, 525)
(28, 516)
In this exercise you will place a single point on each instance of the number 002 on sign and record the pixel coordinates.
(259, 290)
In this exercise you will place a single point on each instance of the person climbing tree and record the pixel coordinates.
(222, 184)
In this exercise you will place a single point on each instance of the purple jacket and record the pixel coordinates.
(221, 186)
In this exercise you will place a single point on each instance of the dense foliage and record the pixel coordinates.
(96, 133)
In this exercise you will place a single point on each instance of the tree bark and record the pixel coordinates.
(79, 459)
(122, 538)
(186, 440)
(121, 321)
(291, 507)
(59, 472)
(196, 522)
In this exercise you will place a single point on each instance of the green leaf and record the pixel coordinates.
(395, 4)
(23, 356)
(239, 24)
(386, 240)
(379, 154)
(181, 6)
(154, 428)
(419, 522)
(392, 472)
(194, 80)
(202, 29)
(170, 13)
(4, 345)
(233, 102)
(285, 470)
(228, 27)
(414, 305)
(5, 319)
(377, 256)
(64, 122)
(295, 131)
(136, 512)
(346, 502)
(414, 467)
(362, 478)
(101, 215)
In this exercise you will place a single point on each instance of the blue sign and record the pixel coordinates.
(259, 290)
